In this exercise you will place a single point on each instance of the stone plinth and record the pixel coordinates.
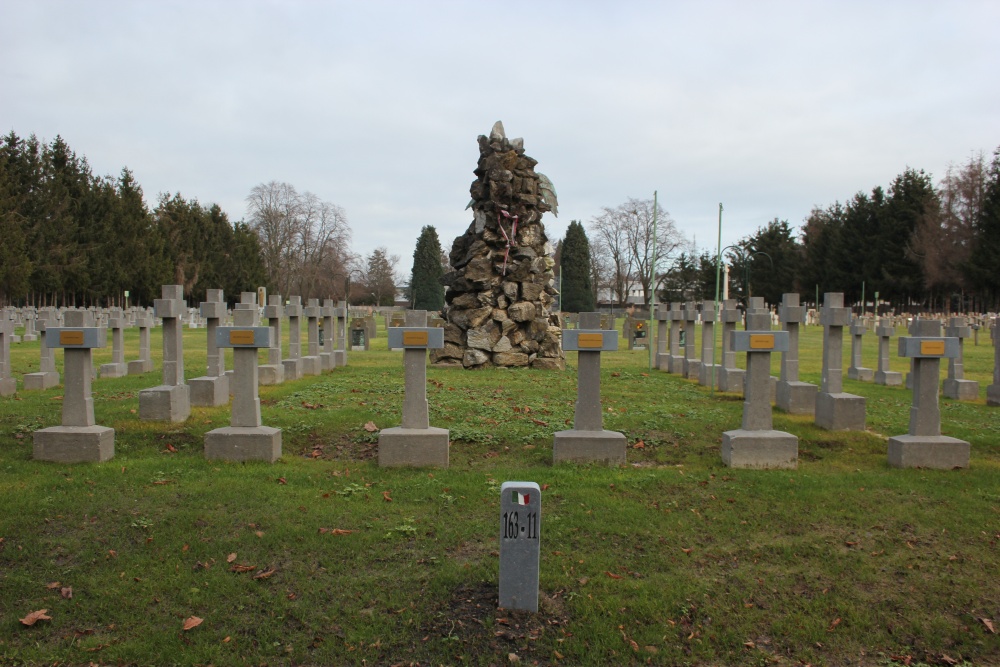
(415, 442)
(857, 371)
(661, 358)
(212, 389)
(675, 360)
(955, 385)
(708, 370)
(993, 390)
(588, 440)
(791, 395)
(273, 372)
(8, 385)
(340, 353)
(730, 377)
(836, 410)
(144, 364)
(170, 401)
(760, 449)
(117, 368)
(692, 365)
(884, 376)
(326, 356)
(47, 375)
(293, 364)
(312, 364)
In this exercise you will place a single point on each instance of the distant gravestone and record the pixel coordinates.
(635, 333)
(857, 371)
(793, 396)
(340, 354)
(884, 376)
(144, 364)
(29, 335)
(359, 335)
(170, 401)
(924, 446)
(692, 365)
(588, 440)
(116, 325)
(212, 389)
(327, 356)
(955, 385)
(47, 375)
(8, 385)
(708, 369)
(312, 364)
(836, 410)
(273, 372)
(730, 377)
(675, 363)
(78, 438)
(293, 364)
(993, 390)
(661, 360)
(520, 545)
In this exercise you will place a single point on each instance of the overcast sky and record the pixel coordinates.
(770, 108)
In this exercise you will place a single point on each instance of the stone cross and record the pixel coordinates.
(955, 385)
(415, 442)
(79, 438)
(708, 370)
(29, 325)
(692, 364)
(293, 364)
(212, 389)
(661, 360)
(311, 363)
(856, 371)
(756, 444)
(340, 353)
(835, 409)
(274, 371)
(730, 377)
(170, 401)
(117, 368)
(993, 390)
(883, 375)
(327, 356)
(8, 384)
(675, 361)
(246, 438)
(793, 396)
(924, 446)
(144, 363)
(588, 440)
(47, 375)
(520, 545)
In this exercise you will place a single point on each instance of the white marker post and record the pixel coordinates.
(520, 545)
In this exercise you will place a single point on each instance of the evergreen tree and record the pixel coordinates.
(426, 290)
(981, 268)
(574, 266)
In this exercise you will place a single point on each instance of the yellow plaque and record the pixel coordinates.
(932, 347)
(241, 337)
(590, 340)
(761, 341)
(414, 338)
(71, 338)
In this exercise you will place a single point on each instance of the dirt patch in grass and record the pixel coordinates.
(342, 448)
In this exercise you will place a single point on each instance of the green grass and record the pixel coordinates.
(671, 559)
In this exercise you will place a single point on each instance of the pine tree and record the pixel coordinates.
(981, 266)
(426, 290)
(577, 291)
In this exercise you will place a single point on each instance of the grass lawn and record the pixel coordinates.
(326, 559)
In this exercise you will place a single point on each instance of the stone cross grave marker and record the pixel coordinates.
(691, 363)
(29, 326)
(78, 438)
(212, 389)
(170, 401)
(144, 364)
(415, 442)
(993, 390)
(836, 410)
(47, 375)
(756, 444)
(395, 319)
(273, 372)
(924, 446)
(955, 385)
(730, 377)
(246, 438)
(520, 544)
(117, 368)
(311, 363)
(8, 384)
(883, 375)
(588, 440)
(857, 371)
(675, 363)
(661, 360)
(708, 369)
(340, 353)
(793, 396)
(327, 359)
(293, 364)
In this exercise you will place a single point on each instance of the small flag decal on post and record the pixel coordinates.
(520, 498)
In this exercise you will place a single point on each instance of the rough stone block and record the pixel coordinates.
(760, 449)
(271, 374)
(312, 365)
(413, 447)
(731, 380)
(244, 443)
(209, 392)
(961, 390)
(705, 374)
(583, 446)
(860, 373)
(676, 364)
(796, 398)
(74, 444)
(340, 358)
(889, 378)
(663, 362)
(326, 360)
(39, 381)
(293, 368)
(165, 403)
(8, 386)
(140, 366)
(692, 368)
(840, 412)
(114, 370)
(928, 451)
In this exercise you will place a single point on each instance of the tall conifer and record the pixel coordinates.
(577, 291)
(426, 290)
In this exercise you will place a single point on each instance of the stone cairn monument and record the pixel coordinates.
(502, 284)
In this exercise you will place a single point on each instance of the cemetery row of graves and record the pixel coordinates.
(761, 505)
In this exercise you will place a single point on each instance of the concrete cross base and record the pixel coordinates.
(74, 444)
(760, 449)
(272, 374)
(312, 365)
(928, 451)
(860, 373)
(41, 380)
(731, 380)
(166, 403)
(961, 390)
(993, 394)
(340, 358)
(692, 368)
(29, 338)
(909, 380)
(584, 446)
(415, 447)
(326, 360)
(244, 443)
(209, 392)
(796, 398)
(15, 339)
(705, 374)
(293, 368)
(8, 386)
(840, 412)
(140, 366)
(663, 362)
(114, 370)
(675, 364)
(889, 378)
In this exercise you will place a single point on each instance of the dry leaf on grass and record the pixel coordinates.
(371, 427)
(192, 622)
(264, 574)
(231, 557)
(53, 585)
(243, 568)
(989, 625)
(67, 593)
(36, 616)
(386, 497)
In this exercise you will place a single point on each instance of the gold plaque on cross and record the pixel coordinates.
(241, 337)
(414, 338)
(590, 340)
(761, 341)
(71, 338)
(932, 347)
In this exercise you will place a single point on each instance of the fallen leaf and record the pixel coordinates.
(185, 547)
(583, 581)
(616, 375)
(66, 593)
(259, 533)
(612, 575)
(948, 660)
(749, 644)
(513, 657)
(340, 531)
(540, 422)
(264, 574)
(242, 568)
(112, 553)
(281, 480)
(557, 655)
(687, 551)
(171, 448)
(227, 640)
(36, 616)
(989, 625)
(851, 544)
(231, 557)
(371, 427)
(386, 497)
(834, 624)
(54, 584)
(192, 622)
(639, 445)
(545, 487)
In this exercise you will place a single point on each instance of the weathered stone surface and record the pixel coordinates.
(503, 345)
(474, 357)
(549, 363)
(522, 311)
(510, 359)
